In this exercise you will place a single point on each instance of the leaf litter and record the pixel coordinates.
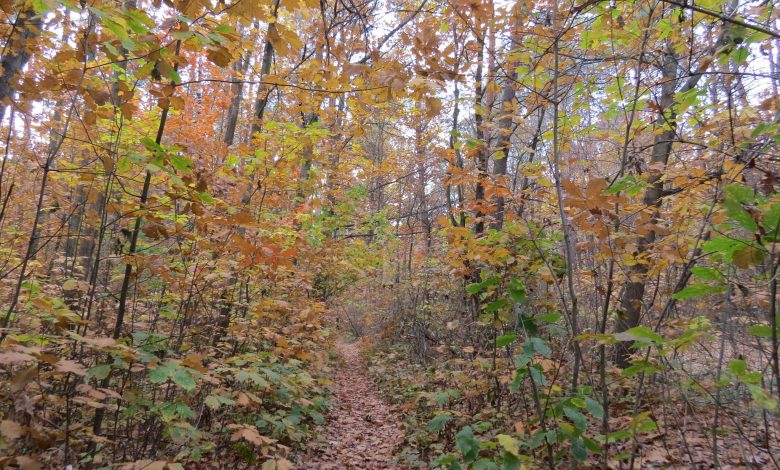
(363, 429)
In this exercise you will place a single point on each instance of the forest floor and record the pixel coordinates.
(362, 428)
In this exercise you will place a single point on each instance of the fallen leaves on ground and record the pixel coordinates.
(362, 428)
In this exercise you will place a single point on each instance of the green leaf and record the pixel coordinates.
(623, 183)
(579, 402)
(467, 444)
(177, 410)
(550, 317)
(514, 386)
(496, 305)
(478, 287)
(764, 331)
(511, 462)
(99, 372)
(706, 274)
(578, 450)
(739, 192)
(697, 290)
(448, 461)
(485, 464)
(212, 402)
(579, 419)
(740, 55)
(538, 345)
(772, 218)
(735, 210)
(506, 339)
(182, 35)
(641, 334)
(509, 444)
(594, 408)
(183, 379)
(175, 77)
(257, 379)
(737, 367)
(762, 398)
(40, 7)
(723, 245)
(639, 366)
(438, 422)
(528, 324)
(225, 400)
(591, 445)
(180, 163)
(537, 375)
(161, 373)
(517, 291)
(474, 288)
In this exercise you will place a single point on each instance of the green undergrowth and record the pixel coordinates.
(448, 419)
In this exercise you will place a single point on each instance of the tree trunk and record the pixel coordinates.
(505, 115)
(481, 150)
(239, 69)
(25, 29)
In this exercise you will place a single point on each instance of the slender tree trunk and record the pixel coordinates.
(262, 94)
(481, 150)
(53, 151)
(265, 68)
(128, 273)
(506, 112)
(573, 309)
(631, 302)
(26, 28)
(239, 69)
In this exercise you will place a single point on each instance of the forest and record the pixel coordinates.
(389, 234)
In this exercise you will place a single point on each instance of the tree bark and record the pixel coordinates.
(239, 69)
(26, 28)
(629, 315)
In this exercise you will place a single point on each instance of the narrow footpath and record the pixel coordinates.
(362, 429)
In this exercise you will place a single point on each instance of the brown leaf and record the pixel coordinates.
(14, 357)
(100, 341)
(11, 430)
(27, 462)
(20, 380)
(748, 256)
(248, 433)
(73, 367)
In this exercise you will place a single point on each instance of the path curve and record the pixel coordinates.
(362, 428)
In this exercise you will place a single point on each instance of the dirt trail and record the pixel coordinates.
(362, 429)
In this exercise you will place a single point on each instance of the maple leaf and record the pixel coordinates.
(69, 366)
(14, 357)
(248, 433)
